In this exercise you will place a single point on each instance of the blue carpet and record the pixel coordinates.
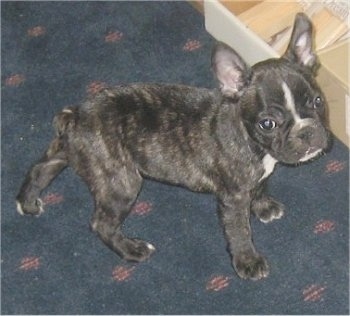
(53, 55)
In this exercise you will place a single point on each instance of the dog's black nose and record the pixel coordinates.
(306, 134)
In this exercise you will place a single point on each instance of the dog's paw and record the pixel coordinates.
(136, 250)
(34, 207)
(267, 209)
(250, 266)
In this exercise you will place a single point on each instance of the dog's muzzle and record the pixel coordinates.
(309, 138)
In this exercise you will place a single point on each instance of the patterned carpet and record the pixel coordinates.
(56, 53)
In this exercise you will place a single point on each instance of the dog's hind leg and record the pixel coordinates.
(115, 192)
(39, 177)
(49, 166)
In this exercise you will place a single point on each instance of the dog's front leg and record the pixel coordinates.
(234, 212)
(265, 208)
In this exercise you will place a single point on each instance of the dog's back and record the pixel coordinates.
(137, 124)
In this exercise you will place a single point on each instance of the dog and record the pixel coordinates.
(223, 141)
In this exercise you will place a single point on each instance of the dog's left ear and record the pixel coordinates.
(230, 69)
(300, 48)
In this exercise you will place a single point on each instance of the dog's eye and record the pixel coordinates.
(267, 124)
(317, 102)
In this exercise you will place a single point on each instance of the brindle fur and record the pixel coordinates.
(205, 140)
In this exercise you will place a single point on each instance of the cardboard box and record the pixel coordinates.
(334, 79)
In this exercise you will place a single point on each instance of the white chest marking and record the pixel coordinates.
(269, 164)
(290, 105)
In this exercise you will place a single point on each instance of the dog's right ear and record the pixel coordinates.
(230, 69)
(300, 48)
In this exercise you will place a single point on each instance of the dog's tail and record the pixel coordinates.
(65, 120)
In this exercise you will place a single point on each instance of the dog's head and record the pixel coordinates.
(282, 107)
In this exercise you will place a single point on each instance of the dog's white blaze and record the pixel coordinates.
(269, 165)
(290, 105)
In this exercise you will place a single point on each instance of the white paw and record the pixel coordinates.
(36, 209)
(150, 247)
(19, 208)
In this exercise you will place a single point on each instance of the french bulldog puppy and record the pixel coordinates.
(224, 141)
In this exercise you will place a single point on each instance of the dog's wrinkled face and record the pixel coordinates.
(282, 107)
(284, 111)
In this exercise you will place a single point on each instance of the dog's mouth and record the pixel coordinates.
(311, 153)
(306, 145)
(300, 156)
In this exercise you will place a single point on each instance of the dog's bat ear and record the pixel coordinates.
(230, 69)
(300, 48)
